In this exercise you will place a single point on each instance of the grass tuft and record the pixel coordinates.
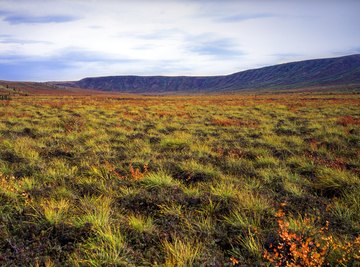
(181, 252)
(160, 179)
(141, 224)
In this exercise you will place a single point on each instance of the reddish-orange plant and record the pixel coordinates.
(307, 248)
(111, 168)
(136, 173)
(348, 120)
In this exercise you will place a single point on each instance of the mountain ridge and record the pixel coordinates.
(314, 72)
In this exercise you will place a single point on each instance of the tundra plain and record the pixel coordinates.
(221, 180)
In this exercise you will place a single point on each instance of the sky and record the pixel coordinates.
(66, 40)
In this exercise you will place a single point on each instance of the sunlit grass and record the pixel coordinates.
(175, 180)
(141, 224)
(181, 253)
(160, 179)
(55, 211)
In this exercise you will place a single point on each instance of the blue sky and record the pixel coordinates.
(70, 40)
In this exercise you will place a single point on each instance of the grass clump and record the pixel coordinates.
(333, 182)
(160, 179)
(55, 211)
(141, 224)
(107, 248)
(97, 211)
(174, 144)
(193, 172)
(181, 252)
(249, 245)
(243, 220)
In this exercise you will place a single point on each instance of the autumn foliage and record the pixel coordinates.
(297, 249)
(136, 173)
(348, 120)
(308, 247)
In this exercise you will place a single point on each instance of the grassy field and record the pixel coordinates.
(266, 180)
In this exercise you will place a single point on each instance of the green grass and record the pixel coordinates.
(55, 211)
(140, 224)
(160, 179)
(175, 181)
(181, 253)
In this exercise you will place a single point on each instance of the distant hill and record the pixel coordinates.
(13, 88)
(303, 74)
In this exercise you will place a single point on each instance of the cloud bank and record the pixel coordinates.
(69, 40)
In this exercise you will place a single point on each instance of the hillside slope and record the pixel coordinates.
(13, 88)
(318, 72)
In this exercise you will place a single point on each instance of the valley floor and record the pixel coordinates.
(180, 181)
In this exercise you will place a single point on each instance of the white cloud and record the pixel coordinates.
(172, 37)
